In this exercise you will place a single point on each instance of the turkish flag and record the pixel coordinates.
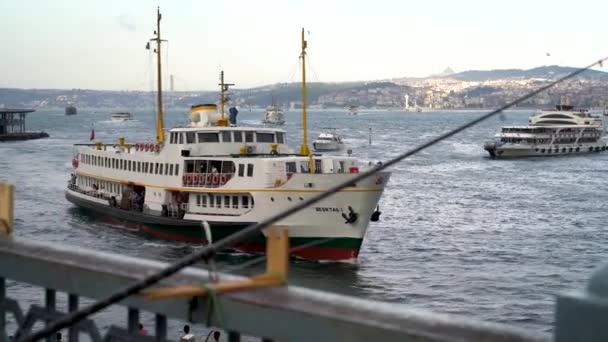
(92, 134)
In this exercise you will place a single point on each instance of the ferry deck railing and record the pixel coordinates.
(206, 180)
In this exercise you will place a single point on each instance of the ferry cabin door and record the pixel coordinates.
(318, 166)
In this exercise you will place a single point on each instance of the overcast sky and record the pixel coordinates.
(100, 44)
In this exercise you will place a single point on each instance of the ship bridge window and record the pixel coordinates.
(181, 137)
(238, 136)
(190, 138)
(290, 167)
(241, 170)
(249, 170)
(265, 137)
(226, 137)
(208, 137)
(558, 122)
(280, 138)
(248, 136)
(173, 138)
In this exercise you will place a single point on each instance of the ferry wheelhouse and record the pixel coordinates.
(563, 130)
(212, 178)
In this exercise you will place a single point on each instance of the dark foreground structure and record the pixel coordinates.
(12, 125)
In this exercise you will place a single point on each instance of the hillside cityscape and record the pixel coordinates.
(465, 90)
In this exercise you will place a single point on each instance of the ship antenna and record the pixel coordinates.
(160, 129)
(223, 99)
(304, 148)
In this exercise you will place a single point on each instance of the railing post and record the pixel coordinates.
(2, 310)
(234, 336)
(133, 323)
(161, 328)
(72, 307)
(6, 209)
(581, 315)
(51, 307)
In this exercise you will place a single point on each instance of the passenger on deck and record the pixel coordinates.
(213, 169)
(137, 203)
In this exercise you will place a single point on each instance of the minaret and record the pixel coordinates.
(407, 102)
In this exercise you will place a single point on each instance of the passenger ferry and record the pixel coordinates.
(563, 130)
(213, 178)
(274, 115)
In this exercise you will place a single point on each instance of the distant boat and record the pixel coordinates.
(560, 131)
(274, 115)
(121, 116)
(328, 140)
(71, 110)
(352, 110)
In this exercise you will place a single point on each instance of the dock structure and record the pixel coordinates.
(12, 125)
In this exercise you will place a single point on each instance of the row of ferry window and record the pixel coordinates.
(546, 141)
(543, 130)
(131, 165)
(115, 188)
(224, 201)
(226, 137)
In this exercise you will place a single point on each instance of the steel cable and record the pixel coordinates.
(210, 250)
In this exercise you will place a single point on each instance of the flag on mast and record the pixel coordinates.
(92, 133)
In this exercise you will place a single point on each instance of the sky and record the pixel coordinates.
(100, 44)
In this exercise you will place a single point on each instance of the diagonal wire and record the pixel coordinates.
(251, 230)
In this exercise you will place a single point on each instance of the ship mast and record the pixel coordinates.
(223, 99)
(160, 130)
(304, 148)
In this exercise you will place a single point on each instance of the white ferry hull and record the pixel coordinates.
(321, 231)
(326, 146)
(520, 151)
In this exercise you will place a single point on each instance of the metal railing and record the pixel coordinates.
(285, 314)
(206, 180)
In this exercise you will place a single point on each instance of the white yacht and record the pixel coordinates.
(274, 115)
(328, 140)
(562, 130)
(210, 179)
(121, 116)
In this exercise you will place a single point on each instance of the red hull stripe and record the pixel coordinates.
(308, 253)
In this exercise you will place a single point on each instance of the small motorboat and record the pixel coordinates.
(328, 140)
(121, 116)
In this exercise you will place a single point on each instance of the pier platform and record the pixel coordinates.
(12, 125)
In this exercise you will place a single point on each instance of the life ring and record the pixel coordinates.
(74, 163)
(215, 179)
(157, 148)
(223, 179)
(146, 147)
(184, 179)
(209, 178)
(196, 179)
(189, 178)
